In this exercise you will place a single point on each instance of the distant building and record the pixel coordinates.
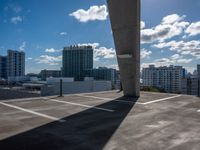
(3, 67)
(165, 78)
(70, 86)
(44, 74)
(77, 61)
(32, 75)
(191, 84)
(103, 73)
(15, 63)
(198, 70)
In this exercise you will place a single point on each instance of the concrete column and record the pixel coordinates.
(125, 22)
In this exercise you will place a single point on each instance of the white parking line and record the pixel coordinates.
(124, 101)
(95, 97)
(159, 100)
(82, 105)
(33, 112)
(104, 99)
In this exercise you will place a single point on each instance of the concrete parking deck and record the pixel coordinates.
(104, 120)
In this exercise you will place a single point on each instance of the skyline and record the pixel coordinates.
(171, 37)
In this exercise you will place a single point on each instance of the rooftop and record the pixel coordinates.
(102, 120)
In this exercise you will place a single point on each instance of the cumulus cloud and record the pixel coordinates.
(145, 53)
(16, 19)
(171, 61)
(184, 61)
(175, 56)
(173, 18)
(51, 50)
(142, 25)
(182, 47)
(104, 53)
(22, 46)
(94, 45)
(175, 59)
(193, 29)
(171, 26)
(101, 52)
(49, 60)
(92, 14)
(63, 33)
(29, 59)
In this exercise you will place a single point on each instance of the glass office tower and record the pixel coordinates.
(77, 62)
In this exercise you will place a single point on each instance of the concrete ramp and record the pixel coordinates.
(125, 22)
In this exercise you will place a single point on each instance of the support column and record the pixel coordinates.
(125, 23)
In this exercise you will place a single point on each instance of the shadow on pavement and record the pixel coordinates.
(90, 129)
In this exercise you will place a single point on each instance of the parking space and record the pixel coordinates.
(75, 119)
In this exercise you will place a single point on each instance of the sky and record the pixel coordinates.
(170, 31)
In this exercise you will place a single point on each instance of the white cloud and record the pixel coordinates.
(114, 66)
(93, 13)
(170, 26)
(101, 52)
(22, 46)
(175, 59)
(163, 61)
(16, 19)
(49, 60)
(173, 18)
(63, 33)
(182, 47)
(145, 53)
(94, 45)
(104, 53)
(29, 58)
(193, 29)
(142, 25)
(175, 56)
(51, 50)
(184, 61)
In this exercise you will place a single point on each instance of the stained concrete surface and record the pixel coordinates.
(11, 94)
(132, 124)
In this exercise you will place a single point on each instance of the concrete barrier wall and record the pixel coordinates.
(76, 87)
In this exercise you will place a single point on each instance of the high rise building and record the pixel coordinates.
(166, 78)
(77, 61)
(3, 67)
(15, 63)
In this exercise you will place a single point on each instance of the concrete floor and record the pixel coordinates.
(96, 121)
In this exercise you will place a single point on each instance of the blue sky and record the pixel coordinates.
(170, 32)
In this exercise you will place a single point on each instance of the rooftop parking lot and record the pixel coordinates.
(102, 120)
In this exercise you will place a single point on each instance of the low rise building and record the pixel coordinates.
(70, 86)
(107, 74)
(44, 74)
(165, 78)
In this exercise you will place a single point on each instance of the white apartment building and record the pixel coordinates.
(15, 63)
(165, 78)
